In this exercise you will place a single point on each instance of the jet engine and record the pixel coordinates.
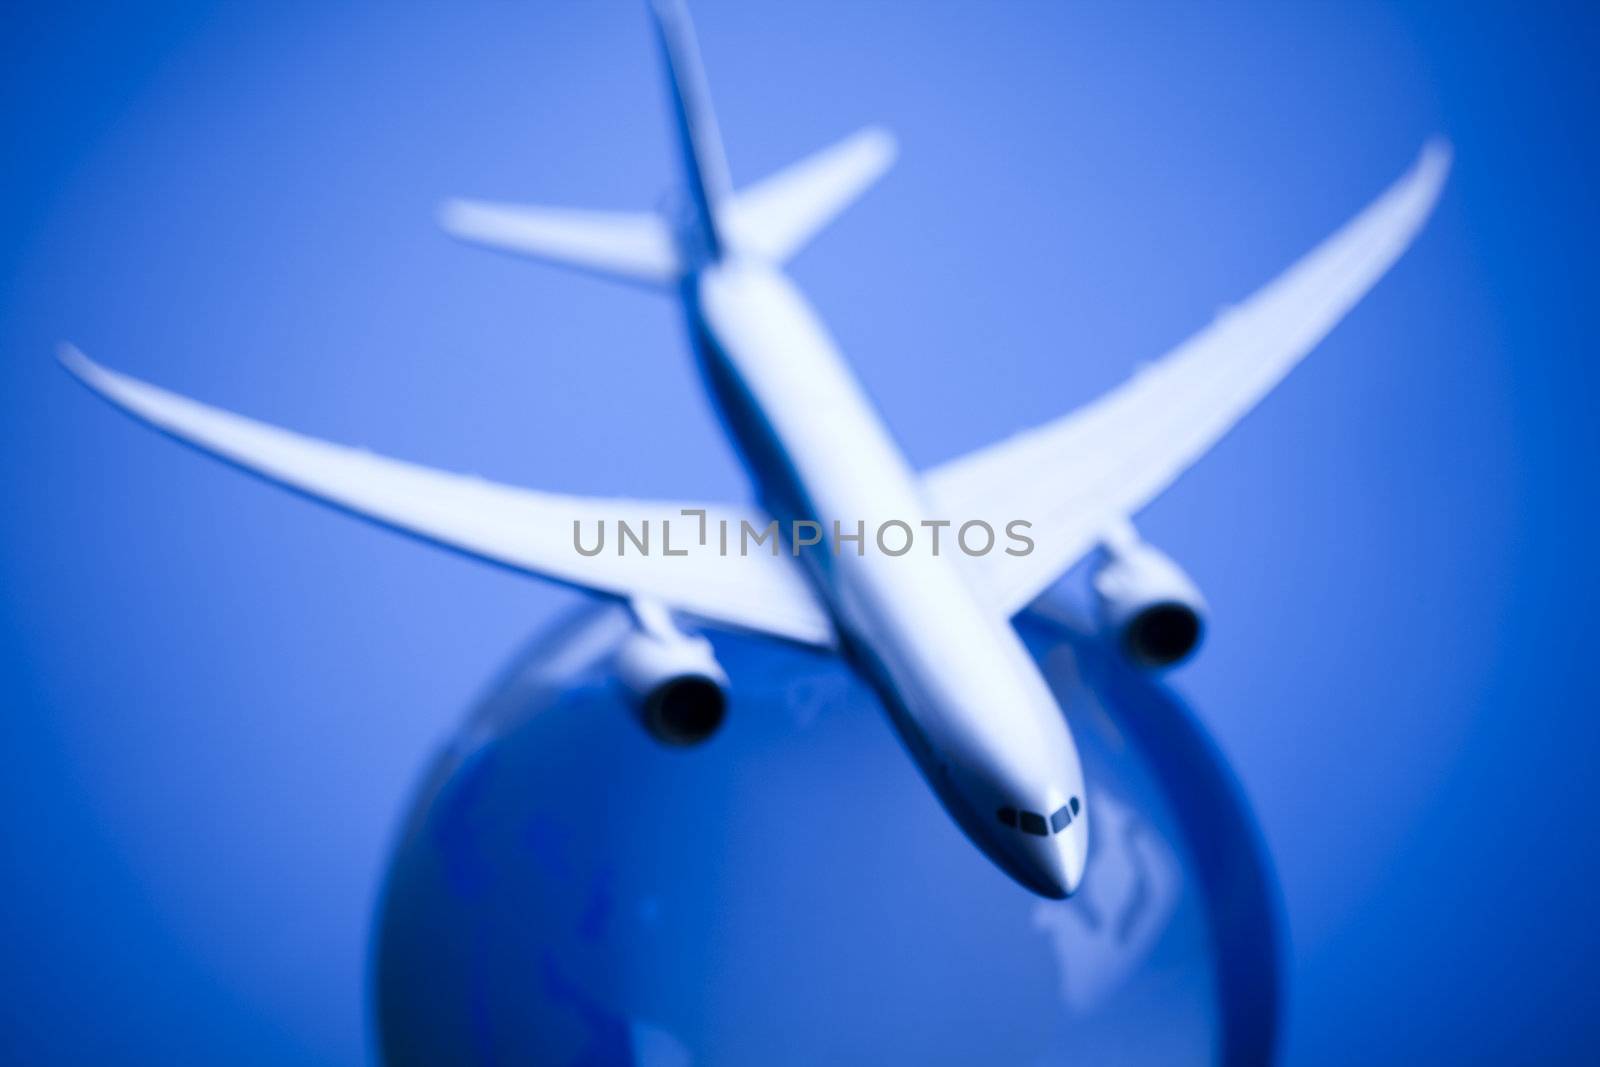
(679, 688)
(1147, 604)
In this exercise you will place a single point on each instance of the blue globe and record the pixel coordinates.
(567, 891)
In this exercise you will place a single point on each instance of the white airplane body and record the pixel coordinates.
(930, 625)
(960, 687)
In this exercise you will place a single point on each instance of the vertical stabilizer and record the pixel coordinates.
(705, 166)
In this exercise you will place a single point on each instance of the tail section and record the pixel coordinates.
(704, 163)
(772, 219)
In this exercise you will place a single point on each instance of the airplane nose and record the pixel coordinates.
(1055, 887)
(1047, 857)
(1055, 867)
(1050, 864)
(1060, 877)
(1070, 857)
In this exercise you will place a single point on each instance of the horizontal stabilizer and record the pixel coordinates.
(635, 247)
(777, 216)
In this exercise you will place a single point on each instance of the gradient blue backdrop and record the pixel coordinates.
(216, 697)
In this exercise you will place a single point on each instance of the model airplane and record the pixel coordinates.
(928, 623)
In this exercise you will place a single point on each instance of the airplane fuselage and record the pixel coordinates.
(960, 687)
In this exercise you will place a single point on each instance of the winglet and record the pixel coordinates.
(102, 382)
(69, 357)
(1433, 166)
(119, 391)
(80, 366)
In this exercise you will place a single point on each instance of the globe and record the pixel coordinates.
(568, 891)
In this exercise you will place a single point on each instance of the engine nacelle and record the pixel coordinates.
(679, 688)
(1147, 604)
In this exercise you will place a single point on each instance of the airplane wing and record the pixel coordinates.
(1077, 476)
(517, 528)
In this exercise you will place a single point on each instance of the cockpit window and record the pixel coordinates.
(1033, 823)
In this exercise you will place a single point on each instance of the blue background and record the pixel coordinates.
(217, 698)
